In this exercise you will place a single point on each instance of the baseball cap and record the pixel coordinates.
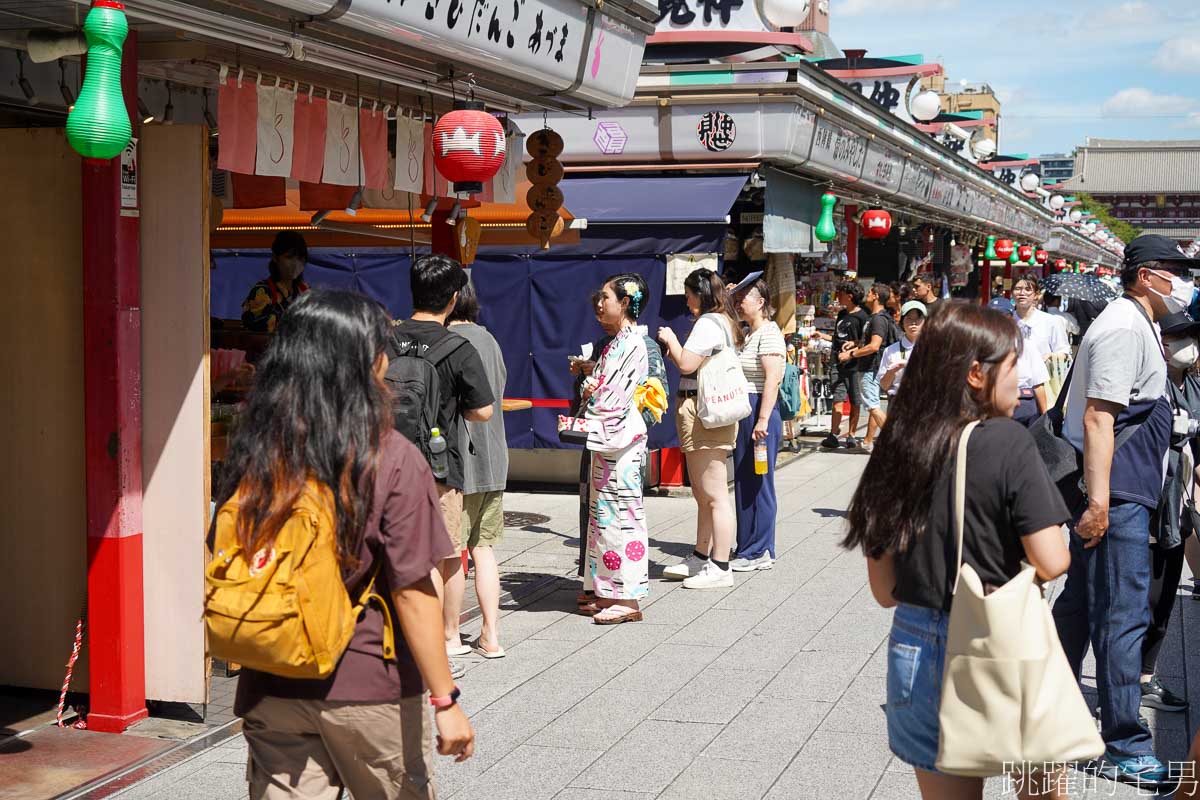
(913, 305)
(1152, 247)
(1001, 304)
(1180, 324)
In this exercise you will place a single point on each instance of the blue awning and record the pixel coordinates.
(632, 200)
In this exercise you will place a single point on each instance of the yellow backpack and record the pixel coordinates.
(285, 609)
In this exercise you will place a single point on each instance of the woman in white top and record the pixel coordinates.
(762, 358)
(895, 357)
(704, 449)
(1047, 331)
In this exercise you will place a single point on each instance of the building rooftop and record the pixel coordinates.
(1135, 166)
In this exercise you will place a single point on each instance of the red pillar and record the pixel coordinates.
(112, 376)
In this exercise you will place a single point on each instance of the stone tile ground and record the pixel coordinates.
(770, 690)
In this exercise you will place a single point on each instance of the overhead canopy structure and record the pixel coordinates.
(644, 199)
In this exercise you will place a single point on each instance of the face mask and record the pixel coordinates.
(1181, 293)
(1182, 353)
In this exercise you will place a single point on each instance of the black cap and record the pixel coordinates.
(1152, 247)
(1180, 324)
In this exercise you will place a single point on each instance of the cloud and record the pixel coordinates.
(1138, 102)
(854, 8)
(1191, 121)
(1181, 54)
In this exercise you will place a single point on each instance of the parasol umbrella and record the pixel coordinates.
(1080, 286)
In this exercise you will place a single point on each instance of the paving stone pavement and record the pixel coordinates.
(772, 689)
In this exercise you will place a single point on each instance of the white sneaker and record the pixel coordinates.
(690, 566)
(710, 576)
(750, 564)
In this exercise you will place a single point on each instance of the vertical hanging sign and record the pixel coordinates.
(341, 145)
(275, 130)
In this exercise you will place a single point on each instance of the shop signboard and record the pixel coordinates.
(917, 181)
(804, 125)
(726, 16)
(944, 192)
(884, 168)
(838, 151)
(546, 43)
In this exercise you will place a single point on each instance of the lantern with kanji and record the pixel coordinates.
(876, 224)
(468, 146)
(1060, 264)
(1025, 253)
(1004, 248)
(1041, 256)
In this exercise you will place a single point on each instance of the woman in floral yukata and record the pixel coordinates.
(617, 569)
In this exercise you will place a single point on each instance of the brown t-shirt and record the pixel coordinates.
(405, 529)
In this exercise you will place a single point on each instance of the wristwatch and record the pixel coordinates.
(447, 701)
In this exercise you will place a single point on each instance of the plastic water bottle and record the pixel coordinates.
(440, 459)
(760, 458)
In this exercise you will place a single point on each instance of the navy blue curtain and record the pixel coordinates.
(536, 303)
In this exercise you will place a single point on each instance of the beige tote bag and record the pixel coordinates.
(1009, 699)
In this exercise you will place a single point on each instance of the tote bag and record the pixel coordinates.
(1008, 695)
(722, 397)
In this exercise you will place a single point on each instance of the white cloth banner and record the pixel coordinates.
(410, 154)
(679, 266)
(276, 132)
(392, 198)
(504, 185)
(341, 145)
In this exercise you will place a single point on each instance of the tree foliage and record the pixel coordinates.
(1119, 227)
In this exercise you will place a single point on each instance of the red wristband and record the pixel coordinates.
(447, 701)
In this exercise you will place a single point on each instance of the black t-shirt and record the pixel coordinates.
(463, 385)
(880, 325)
(848, 327)
(1009, 495)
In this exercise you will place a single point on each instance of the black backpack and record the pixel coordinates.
(412, 377)
(891, 333)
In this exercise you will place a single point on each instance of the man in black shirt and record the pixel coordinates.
(880, 332)
(464, 393)
(925, 290)
(847, 334)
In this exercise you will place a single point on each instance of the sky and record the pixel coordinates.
(1063, 70)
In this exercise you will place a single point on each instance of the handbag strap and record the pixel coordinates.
(960, 496)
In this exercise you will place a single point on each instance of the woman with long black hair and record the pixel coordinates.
(902, 518)
(705, 449)
(320, 413)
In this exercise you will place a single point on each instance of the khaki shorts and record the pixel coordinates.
(694, 436)
(483, 519)
(311, 748)
(452, 507)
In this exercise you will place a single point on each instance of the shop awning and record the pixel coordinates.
(634, 200)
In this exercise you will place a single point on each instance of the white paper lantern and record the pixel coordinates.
(1076, 215)
(1030, 181)
(984, 149)
(786, 13)
(925, 106)
(1056, 202)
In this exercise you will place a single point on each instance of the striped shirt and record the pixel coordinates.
(766, 341)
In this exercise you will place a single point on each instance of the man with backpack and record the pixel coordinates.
(437, 379)
(879, 334)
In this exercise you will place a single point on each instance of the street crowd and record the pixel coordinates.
(371, 453)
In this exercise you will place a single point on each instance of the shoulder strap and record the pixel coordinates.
(440, 350)
(960, 496)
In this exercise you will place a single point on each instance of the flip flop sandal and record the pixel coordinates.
(478, 649)
(628, 615)
(588, 610)
(585, 598)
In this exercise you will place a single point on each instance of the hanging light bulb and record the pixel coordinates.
(925, 106)
(169, 109)
(68, 96)
(147, 117)
(355, 202)
(26, 87)
(427, 215)
(455, 210)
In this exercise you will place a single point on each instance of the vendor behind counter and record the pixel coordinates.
(270, 297)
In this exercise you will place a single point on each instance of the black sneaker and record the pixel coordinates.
(851, 443)
(1155, 695)
(830, 442)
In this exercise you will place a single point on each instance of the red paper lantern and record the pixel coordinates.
(1025, 253)
(1004, 248)
(468, 147)
(1041, 256)
(1060, 264)
(876, 224)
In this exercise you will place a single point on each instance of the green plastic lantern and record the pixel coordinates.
(1012, 257)
(990, 252)
(98, 126)
(826, 231)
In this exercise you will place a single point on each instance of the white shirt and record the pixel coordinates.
(896, 353)
(1065, 320)
(709, 334)
(1031, 365)
(1050, 336)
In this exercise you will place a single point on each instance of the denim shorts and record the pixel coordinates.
(870, 390)
(916, 652)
